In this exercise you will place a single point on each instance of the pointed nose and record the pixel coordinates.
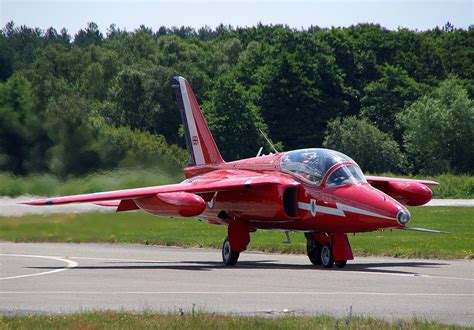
(374, 206)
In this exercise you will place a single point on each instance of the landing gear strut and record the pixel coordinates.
(238, 237)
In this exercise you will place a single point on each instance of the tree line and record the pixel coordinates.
(398, 101)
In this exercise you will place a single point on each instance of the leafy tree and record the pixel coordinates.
(294, 80)
(234, 120)
(23, 43)
(131, 105)
(122, 146)
(387, 96)
(18, 125)
(372, 149)
(68, 125)
(300, 92)
(439, 130)
(90, 36)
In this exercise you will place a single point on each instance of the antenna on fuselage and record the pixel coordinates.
(268, 140)
(259, 152)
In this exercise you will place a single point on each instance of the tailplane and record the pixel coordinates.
(201, 146)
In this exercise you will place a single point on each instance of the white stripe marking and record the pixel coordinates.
(198, 156)
(119, 259)
(328, 293)
(70, 264)
(338, 211)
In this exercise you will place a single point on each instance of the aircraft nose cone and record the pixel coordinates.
(403, 217)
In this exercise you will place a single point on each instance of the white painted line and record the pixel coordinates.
(119, 259)
(328, 293)
(407, 275)
(70, 264)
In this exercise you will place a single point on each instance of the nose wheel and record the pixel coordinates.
(229, 257)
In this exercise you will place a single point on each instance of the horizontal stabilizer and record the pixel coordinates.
(424, 230)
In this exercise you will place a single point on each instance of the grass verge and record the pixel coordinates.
(145, 229)
(123, 320)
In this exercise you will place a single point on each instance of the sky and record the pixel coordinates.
(129, 15)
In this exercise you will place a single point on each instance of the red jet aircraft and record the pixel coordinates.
(320, 192)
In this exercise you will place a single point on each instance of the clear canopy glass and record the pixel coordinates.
(313, 164)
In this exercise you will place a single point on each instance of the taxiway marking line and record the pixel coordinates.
(411, 275)
(70, 264)
(251, 292)
(121, 259)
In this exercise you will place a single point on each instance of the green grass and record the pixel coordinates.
(199, 320)
(451, 186)
(145, 229)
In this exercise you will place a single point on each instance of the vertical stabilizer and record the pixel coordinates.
(201, 146)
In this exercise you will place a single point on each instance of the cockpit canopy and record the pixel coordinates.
(313, 164)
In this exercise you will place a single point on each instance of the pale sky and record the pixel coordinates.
(129, 15)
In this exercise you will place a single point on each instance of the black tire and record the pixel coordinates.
(313, 250)
(327, 259)
(229, 257)
(340, 263)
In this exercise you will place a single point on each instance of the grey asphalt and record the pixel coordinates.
(63, 278)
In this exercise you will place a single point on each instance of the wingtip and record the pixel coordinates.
(37, 202)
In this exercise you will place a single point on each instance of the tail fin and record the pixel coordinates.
(201, 146)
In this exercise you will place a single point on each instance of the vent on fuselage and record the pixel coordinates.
(290, 203)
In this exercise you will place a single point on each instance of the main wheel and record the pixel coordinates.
(327, 259)
(313, 250)
(229, 257)
(340, 263)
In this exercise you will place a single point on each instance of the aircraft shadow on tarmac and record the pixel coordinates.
(376, 267)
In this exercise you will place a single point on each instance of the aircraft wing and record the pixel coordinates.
(202, 184)
(410, 192)
(380, 180)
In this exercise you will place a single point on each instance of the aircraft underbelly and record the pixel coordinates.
(261, 204)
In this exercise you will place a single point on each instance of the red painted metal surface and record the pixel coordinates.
(276, 191)
(177, 204)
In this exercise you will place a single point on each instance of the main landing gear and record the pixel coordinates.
(229, 257)
(328, 250)
(238, 237)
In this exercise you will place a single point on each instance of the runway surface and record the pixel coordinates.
(61, 278)
(10, 207)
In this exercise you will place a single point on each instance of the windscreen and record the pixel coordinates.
(345, 175)
(311, 164)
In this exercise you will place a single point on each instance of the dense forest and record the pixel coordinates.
(398, 101)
